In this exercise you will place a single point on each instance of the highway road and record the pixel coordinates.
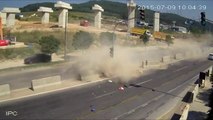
(140, 99)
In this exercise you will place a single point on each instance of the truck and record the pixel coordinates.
(161, 36)
(139, 31)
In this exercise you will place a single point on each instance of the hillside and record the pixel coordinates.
(118, 10)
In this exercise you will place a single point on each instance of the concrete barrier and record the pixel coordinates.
(90, 77)
(194, 91)
(166, 59)
(4, 89)
(152, 62)
(179, 56)
(45, 82)
(185, 112)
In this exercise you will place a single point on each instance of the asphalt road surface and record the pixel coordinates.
(140, 98)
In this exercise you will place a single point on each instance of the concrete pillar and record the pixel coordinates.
(10, 15)
(156, 22)
(63, 10)
(131, 14)
(45, 14)
(210, 71)
(62, 17)
(98, 9)
(3, 18)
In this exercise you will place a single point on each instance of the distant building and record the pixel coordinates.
(141, 23)
(164, 27)
(179, 29)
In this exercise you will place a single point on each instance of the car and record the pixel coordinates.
(4, 42)
(38, 58)
(210, 57)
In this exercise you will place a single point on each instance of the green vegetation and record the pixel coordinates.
(14, 53)
(73, 16)
(31, 66)
(32, 38)
(49, 44)
(120, 11)
(35, 36)
(82, 40)
(106, 38)
(35, 7)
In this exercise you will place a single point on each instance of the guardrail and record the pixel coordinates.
(190, 96)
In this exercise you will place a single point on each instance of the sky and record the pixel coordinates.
(187, 8)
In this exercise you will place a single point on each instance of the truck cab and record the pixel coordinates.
(139, 31)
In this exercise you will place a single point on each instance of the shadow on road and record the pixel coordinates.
(196, 115)
(176, 117)
(204, 96)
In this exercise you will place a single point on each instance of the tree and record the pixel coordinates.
(49, 44)
(82, 40)
(145, 38)
(169, 40)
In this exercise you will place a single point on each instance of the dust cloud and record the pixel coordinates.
(126, 62)
(124, 65)
(194, 45)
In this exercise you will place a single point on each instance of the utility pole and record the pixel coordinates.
(112, 49)
(65, 36)
(113, 41)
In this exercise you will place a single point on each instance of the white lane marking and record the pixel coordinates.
(133, 110)
(144, 82)
(105, 94)
(116, 90)
(155, 99)
(180, 68)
